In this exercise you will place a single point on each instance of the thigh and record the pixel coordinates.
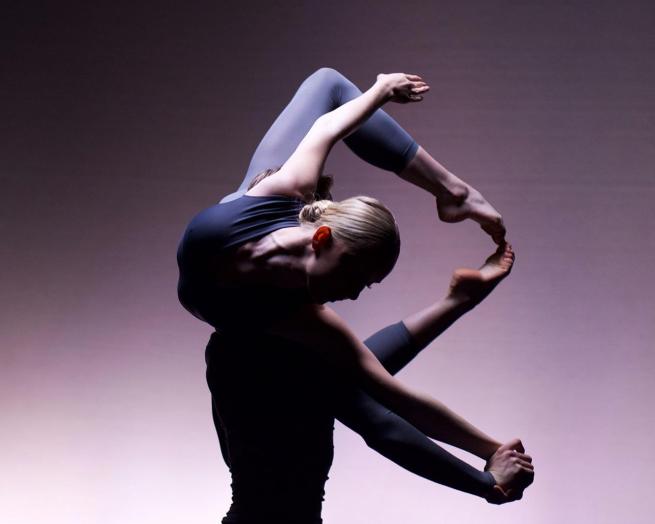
(317, 95)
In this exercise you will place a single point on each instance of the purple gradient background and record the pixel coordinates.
(120, 123)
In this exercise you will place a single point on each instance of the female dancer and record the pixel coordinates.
(260, 275)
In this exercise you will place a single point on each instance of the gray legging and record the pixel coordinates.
(380, 141)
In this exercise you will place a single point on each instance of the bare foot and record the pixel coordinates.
(467, 202)
(473, 285)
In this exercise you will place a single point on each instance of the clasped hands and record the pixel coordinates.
(513, 471)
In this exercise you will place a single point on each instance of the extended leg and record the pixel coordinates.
(380, 141)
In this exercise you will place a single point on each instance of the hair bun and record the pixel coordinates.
(313, 211)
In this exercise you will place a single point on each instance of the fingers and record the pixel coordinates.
(522, 480)
(516, 445)
(520, 456)
(499, 496)
(523, 476)
(407, 87)
(525, 464)
(418, 87)
(415, 95)
(514, 494)
(523, 457)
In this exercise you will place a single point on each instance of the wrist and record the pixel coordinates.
(490, 482)
(383, 89)
(487, 449)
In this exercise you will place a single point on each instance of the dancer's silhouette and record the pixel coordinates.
(259, 267)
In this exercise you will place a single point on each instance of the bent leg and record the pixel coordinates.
(380, 141)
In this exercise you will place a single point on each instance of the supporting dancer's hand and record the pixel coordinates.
(513, 471)
(403, 88)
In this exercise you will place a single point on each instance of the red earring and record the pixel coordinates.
(320, 236)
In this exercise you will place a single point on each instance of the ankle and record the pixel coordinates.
(453, 190)
(458, 302)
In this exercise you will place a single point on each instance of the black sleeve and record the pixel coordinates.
(394, 437)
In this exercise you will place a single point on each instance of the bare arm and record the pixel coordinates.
(300, 173)
(320, 329)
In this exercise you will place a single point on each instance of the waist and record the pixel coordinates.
(296, 506)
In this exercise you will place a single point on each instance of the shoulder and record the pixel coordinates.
(280, 184)
(313, 323)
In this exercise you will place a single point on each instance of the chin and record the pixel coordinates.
(318, 299)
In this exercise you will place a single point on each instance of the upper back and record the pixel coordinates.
(211, 238)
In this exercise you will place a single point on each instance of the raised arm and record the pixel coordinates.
(299, 174)
(320, 329)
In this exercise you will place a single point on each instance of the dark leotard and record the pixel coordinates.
(273, 402)
(212, 236)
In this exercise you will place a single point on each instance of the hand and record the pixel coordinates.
(513, 471)
(403, 88)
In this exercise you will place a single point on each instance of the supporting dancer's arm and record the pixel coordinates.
(321, 329)
(393, 437)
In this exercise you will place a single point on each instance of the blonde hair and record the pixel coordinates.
(362, 223)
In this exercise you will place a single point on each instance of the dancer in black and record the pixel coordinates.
(260, 265)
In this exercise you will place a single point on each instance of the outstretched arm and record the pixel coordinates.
(320, 329)
(392, 436)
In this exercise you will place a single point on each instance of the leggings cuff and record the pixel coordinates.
(408, 154)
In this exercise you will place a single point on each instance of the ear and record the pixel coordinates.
(322, 237)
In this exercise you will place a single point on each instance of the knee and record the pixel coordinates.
(328, 74)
